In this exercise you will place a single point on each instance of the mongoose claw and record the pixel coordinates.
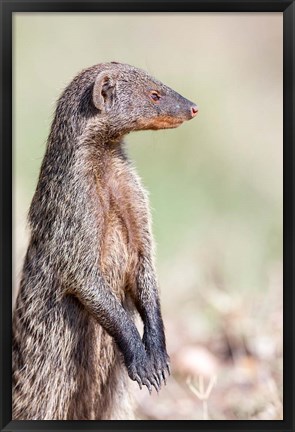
(164, 377)
(146, 382)
(168, 369)
(138, 380)
(158, 373)
(154, 382)
(157, 380)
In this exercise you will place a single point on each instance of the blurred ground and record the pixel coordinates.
(215, 188)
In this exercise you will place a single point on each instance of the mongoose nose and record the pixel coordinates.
(194, 110)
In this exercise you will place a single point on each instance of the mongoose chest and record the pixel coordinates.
(125, 212)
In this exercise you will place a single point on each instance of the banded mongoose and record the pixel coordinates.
(89, 265)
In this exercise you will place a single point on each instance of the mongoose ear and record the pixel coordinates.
(103, 89)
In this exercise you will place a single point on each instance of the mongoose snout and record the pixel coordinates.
(89, 265)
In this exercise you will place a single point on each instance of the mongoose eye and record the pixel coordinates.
(155, 96)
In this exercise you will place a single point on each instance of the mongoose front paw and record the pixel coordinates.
(158, 358)
(161, 366)
(140, 369)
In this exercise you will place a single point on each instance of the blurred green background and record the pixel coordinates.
(215, 187)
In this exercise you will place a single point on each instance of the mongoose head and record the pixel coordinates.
(128, 99)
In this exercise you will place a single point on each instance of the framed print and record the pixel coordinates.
(147, 215)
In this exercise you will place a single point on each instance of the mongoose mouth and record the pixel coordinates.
(169, 122)
(159, 123)
(166, 123)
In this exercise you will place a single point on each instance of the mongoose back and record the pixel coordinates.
(89, 265)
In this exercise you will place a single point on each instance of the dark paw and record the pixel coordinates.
(158, 359)
(161, 366)
(140, 370)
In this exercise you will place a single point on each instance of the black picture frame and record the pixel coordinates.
(287, 7)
